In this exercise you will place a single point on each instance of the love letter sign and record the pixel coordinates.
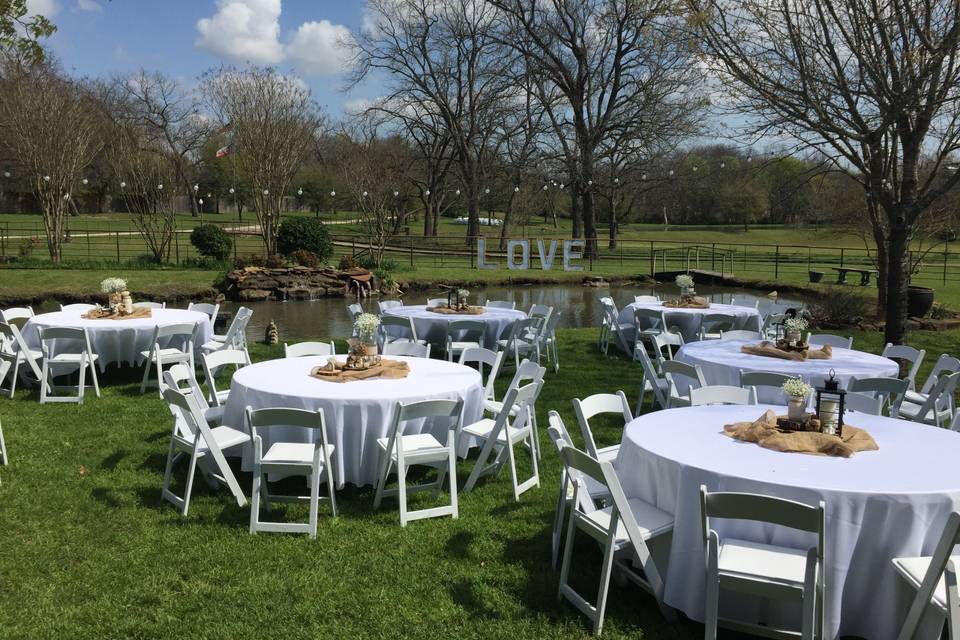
(518, 254)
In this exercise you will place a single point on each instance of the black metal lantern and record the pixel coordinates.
(452, 298)
(830, 403)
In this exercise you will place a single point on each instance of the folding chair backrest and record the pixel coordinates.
(528, 370)
(740, 334)
(212, 310)
(837, 342)
(661, 341)
(301, 349)
(945, 364)
(184, 331)
(654, 316)
(903, 352)
(16, 313)
(599, 403)
(354, 310)
(236, 333)
(938, 564)
(539, 311)
(550, 328)
(864, 403)
(484, 357)
(389, 304)
(646, 299)
(500, 304)
(411, 349)
(943, 390)
(673, 368)
(558, 430)
(763, 379)
(436, 302)
(181, 378)
(265, 419)
(524, 326)
(71, 340)
(79, 307)
(761, 508)
(396, 321)
(150, 305)
(887, 388)
(12, 342)
(715, 322)
(720, 394)
(438, 409)
(466, 330)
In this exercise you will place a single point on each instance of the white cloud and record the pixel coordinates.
(46, 8)
(318, 48)
(246, 30)
(90, 5)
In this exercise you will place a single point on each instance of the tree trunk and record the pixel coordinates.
(507, 214)
(614, 225)
(898, 278)
(473, 214)
(435, 230)
(427, 217)
(576, 215)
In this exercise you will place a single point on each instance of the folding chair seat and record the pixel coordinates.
(937, 408)
(945, 364)
(311, 460)
(182, 378)
(72, 353)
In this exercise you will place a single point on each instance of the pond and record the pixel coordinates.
(580, 306)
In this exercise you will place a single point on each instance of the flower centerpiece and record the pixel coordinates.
(797, 392)
(793, 329)
(462, 295)
(114, 288)
(685, 282)
(363, 344)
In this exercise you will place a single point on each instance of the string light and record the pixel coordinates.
(427, 192)
(516, 189)
(46, 178)
(457, 192)
(364, 194)
(617, 180)
(123, 185)
(232, 191)
(333, 194)
(396, 194)
(159, 187)
(196, 188)
(201, 202)
(671, 172)
(83, 182)
(266, 192)
(487, 191)
(545, 187)
(300, 192)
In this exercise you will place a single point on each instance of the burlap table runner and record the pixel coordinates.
(389, 369)
(764, 432)
(469, 311)
(688, 303)
(105, 314)
(769, 350)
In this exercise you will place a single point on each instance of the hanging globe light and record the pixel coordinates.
(300, 192)
(232, 190)
(123, 185)
(159, 187)
(84, 181)
(266, 192)
(333, 194)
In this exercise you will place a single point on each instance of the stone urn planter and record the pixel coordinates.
(816, 276)
(919, 301)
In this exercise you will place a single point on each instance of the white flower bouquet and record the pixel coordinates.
(365, 326)
(113, 285)
(463, 294)
(798, 324)
(684, 281)
(797, 388)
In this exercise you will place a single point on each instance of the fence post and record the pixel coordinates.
(713, 257)
(410, 244)
(946, 256)
(176, 246)
(841, 257)
(653, 261)
(808, 263)
(117, 237)
(776, 264)
(88, 245)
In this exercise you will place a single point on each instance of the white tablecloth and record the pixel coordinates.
(356, 413)
(879, 505)
(119, 341)
(688, 320)
(722, 360)
(432, 327)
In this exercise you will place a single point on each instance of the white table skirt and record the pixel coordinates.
(721, 362)
(119, 341)
(356, 413)
(432, 327)
(879, 505)
(688, 320)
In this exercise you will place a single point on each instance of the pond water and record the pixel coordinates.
(580, 306)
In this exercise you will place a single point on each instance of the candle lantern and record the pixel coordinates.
(830, 405)
(452, 298)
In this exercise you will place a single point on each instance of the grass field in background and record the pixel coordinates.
(90, 550)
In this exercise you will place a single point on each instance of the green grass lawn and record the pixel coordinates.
(89, 549)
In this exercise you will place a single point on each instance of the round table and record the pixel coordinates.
(880, 504)
(356, 413)
(119, 341)
(432, 327)
(688, 320)
(721, 362)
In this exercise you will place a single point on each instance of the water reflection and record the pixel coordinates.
(579, 305)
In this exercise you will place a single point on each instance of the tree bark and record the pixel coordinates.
(614, 225)
(507, 215)
(589, 224)
(473, 214)
(427, 217)
(576, 215)
(898, 278)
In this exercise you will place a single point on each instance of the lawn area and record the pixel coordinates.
(91, 551)
(66, 284)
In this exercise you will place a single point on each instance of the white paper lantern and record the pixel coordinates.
(458, 192)
(545, 187)
(364, 194)
(333, 194)
(266, 192)
(396, 193)
(516, 189)
(123, 185)
(671, 172)
(487, 191)
(299, 192)
(84, 181)
(196, 187)
(46, 178)
(617, 180)
(160, 187)
(232, 190)
(201, 202)
(427, 192)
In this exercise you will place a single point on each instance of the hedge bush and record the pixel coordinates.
(211, 241)
(306, 234)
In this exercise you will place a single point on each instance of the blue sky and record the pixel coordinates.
(183, 38)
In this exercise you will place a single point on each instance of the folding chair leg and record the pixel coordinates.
(712, 595)
(314, 501)
(255, 502)
(82, 380)
(146, 375)
(4, 460)
(567, 553)
(604, 585)
(402, 491)
(190, 473)
(93, 376)
(168, 471)
(44, 386)
(160, 376)
(385, 464)
(453, 481)
(558, 513)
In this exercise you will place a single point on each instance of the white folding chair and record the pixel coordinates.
(463, 335)
(182, 378)
(945, 364)
(16, 313)
(178, 339)
(753, 379)
(889, 391)
(236, 335)
(436, 302)
(502, 434)
(720, 394)
(383, 305)
(500, 304)
(410, 349)
(540, 311)
(150, 305)
(213, 363)
(193, 436)
(646, 299)
(909, 354)
(768, 327)
(5, 366)
(527, 372)
(622, 332)
(422, 449)
(65, 350)
(660, 342)
(353, 311)
(770, 571)
(626, 530)
(837, 342)
(522, 340)
(713, 325)
(484, 357)
(13, 348)
(78, 308)
(937, 409)
(673, 369)
(311, 460)
(652, 381)
(648, 322)
(737, 302)
(397, 329)
(935, 580)
(211, 310)
(740, 334)
(597, 404)
(302, 349)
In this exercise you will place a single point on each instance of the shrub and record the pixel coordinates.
(241, 262)
(840, 307)
(25, 250)
(347, 262)
(366, 261)
(304, 233)
(274, 262)
(304, 258)
(939, 312)
(211, 241)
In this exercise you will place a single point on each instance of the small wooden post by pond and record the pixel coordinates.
(117, 237)
(776, 264)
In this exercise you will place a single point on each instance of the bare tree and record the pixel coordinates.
(873, 86)
(171, 121)
(51, 125)
(442, 56)
(274, 124)
(603, 66)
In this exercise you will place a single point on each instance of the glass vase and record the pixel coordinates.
(796, 407)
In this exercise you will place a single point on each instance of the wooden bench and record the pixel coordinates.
(864, 275)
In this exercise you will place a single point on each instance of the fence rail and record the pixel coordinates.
(94, 246)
